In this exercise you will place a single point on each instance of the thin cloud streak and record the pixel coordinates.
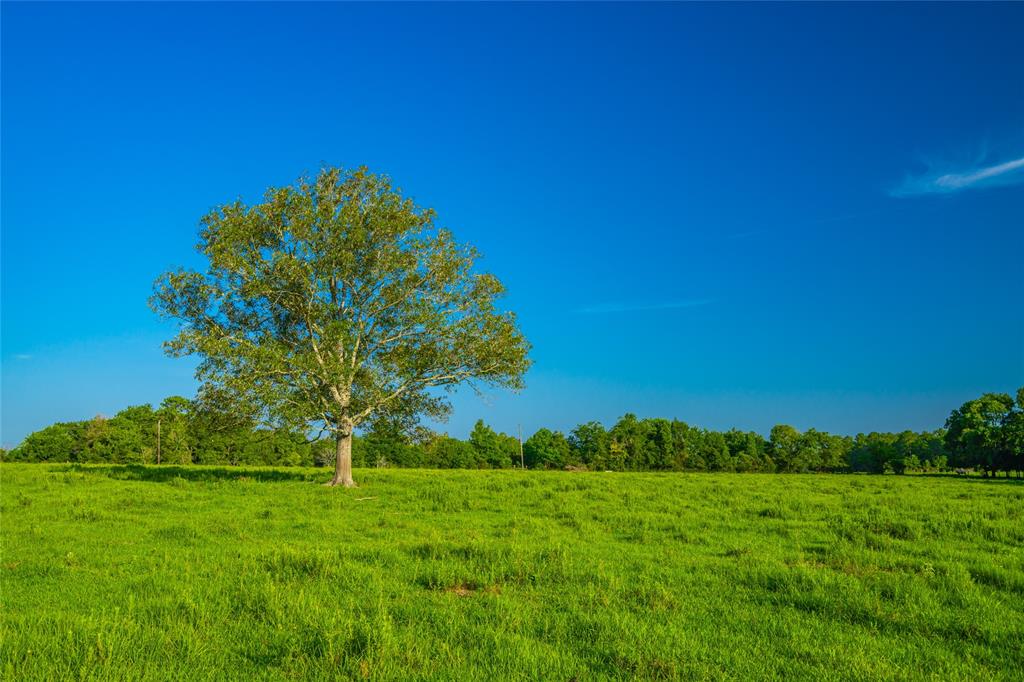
(1001, 174)
(606, 308)
(955, 181)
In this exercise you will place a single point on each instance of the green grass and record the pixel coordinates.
(133, 573)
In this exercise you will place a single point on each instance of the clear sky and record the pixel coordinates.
(736, 215)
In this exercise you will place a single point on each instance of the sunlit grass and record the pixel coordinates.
(113, 572)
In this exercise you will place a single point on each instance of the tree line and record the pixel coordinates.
(985, 434)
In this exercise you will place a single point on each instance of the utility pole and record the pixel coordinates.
(522, 462)
(158, 440)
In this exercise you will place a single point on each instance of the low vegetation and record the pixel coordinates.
(196, 572)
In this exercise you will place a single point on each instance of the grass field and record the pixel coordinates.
(112, 572)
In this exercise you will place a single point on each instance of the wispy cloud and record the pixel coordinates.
(22, 356)
(946, 180)
(605, 308)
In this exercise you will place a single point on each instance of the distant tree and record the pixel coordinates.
(125, 444)
(133, 435)
(590, 445)
(547, 449)
(1011, 441)
(386, 443)
(335, 301)
(323, 453)
(821, 451)
(484, 440)
(910, 463)
(629, 434)
(686, 444)
(510, 448)
(217, 436)
(142, 416)
(444, 452)
(748, 451)
(175, 438)
(493, 449)
(660, 446)
(56, 443)
(716, 452)
(872, 452)
(736, 441)
(930, 449)
(974, 434)
(94, 445)
(785, 448)
(277, 448)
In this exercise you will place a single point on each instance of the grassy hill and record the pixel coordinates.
(114, 572)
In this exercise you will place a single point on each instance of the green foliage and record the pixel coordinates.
(55, 443)
(493, 450)
(128, 572)
(591, 444)
(176, 443)
(191, 432)
(988, 433)
(906, 451)
(785, 448)
(333, 302)
(178, 430)
(547, 449)
(446, 452)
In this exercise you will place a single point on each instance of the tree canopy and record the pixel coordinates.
(986, 436)
(336, 301)
(988, 432)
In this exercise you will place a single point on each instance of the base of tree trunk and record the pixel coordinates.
(343, 463)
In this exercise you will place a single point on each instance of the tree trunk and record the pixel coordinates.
(343, 463)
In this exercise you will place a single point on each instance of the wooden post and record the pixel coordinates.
(522, 462)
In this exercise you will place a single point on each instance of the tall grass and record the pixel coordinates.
(131, 572)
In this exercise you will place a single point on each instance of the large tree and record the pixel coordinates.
(336, 301)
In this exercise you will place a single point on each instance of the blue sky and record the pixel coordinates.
(737, 215)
